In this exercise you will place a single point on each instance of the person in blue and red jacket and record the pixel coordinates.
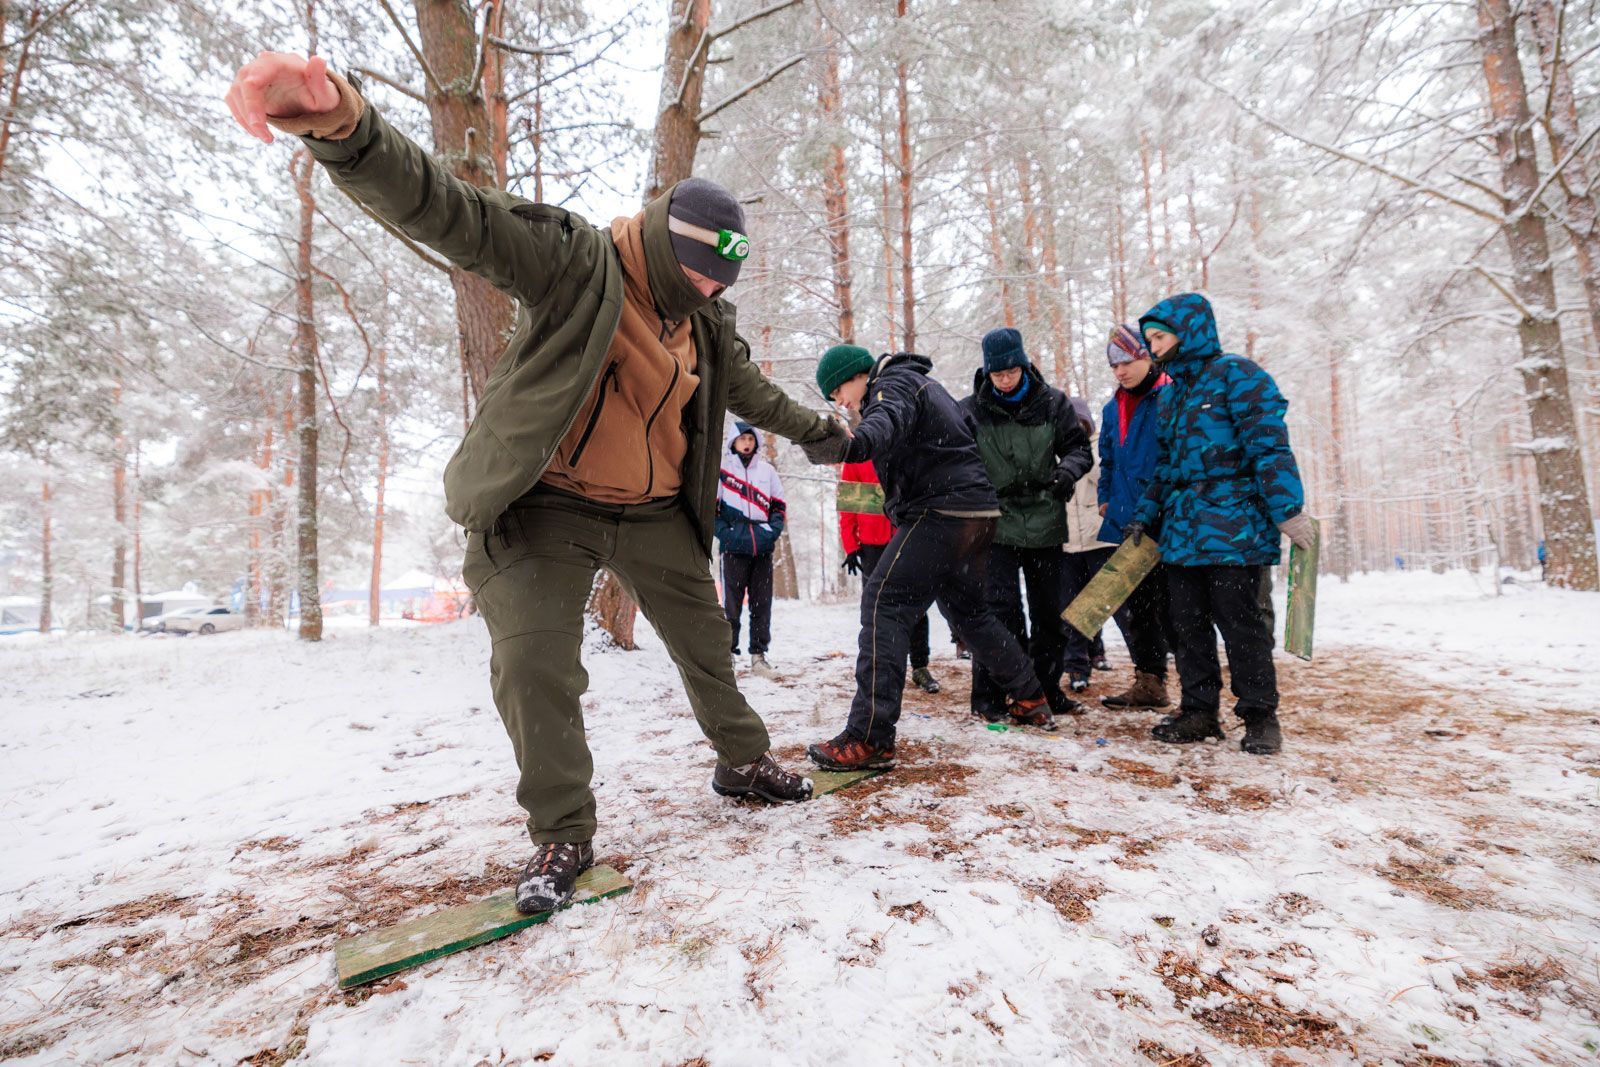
(750, 518)
(864, 534)
(1127, 463)
(1226, 491)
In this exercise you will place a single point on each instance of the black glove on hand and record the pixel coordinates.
(830, 449)
(852, 562)
(1133, 533)
(1061, 486)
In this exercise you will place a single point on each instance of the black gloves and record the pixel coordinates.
(1061, 486)
(830, 449)
(1133, 533)
(852, 562)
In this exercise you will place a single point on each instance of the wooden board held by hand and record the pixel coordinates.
(1301, 615)
(1112, 585)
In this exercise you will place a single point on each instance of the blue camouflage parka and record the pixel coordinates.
(1226, 475)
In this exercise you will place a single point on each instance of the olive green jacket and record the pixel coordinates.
(566, 278)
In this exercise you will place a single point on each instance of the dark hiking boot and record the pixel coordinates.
(989, 714)
(1033, 711)
(764, 779)
(550, 877)
(962, 651)
(1187, 727)
(846, 753)
(1061, 704)
(1102, 664)
(924, 680)
(1078, 682)
(1262, 736)
(1147, 691)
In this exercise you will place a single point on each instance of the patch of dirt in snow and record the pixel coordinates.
(1252, 1020)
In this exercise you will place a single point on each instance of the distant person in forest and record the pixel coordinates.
(1035, 450)
(863, 534)
(1225, 492)
(750, 517)
(596, 444)
(937, 494)
(1083, 555)
(1128, 451)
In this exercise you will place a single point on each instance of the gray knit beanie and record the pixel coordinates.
(713, 209)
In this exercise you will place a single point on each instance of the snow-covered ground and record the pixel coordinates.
(187, 826)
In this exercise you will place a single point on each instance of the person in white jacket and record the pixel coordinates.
(750, 518)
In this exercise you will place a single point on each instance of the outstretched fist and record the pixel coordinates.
(280, 85)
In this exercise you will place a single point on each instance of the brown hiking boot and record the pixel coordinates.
(1033, 711)
(1147, 691)
(846, 753)
(764, 779)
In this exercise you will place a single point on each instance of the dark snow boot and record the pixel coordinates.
(1187, 727)
(1147, 691)
(764, 779)
(1102, 664)
(1034, 711)
(551, 876)
(924, 680)
(1079, 682)
(1262, 737)
(846, 753)
(1061, 704)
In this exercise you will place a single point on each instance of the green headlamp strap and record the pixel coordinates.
(730, 244)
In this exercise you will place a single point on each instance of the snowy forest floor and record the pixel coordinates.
(189, 825)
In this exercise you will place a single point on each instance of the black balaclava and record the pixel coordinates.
(675, 295)
(1149, 381)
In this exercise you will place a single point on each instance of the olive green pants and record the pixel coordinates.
(532, 577)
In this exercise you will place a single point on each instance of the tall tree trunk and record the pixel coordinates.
(307, 577)
(47, 578)
(1343, 541)
(1057, 288)
(469, 139)
(278, 557)
(119, 519)
(997, 254)
(908, 298)
(1030, 241)
(375, 595)
(886, 216)
(1119, 264)
(835, 191)
(138, 541)
(1563, 495)
(14, 91)
(260, 504)
(1561, 123)
(683, 80)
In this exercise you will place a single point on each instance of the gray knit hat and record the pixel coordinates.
(707, 227)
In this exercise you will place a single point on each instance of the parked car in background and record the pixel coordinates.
(202, 621)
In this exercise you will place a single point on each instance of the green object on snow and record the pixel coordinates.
(380, 953)
(859, 498)
(1113, 584)
(998, 727)
(1301, 616)
(825, 782)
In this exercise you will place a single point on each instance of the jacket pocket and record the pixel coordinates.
(608, 378)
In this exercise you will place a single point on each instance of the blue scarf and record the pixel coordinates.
(1013, 398)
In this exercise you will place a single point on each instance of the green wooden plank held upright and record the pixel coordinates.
(1301, 615)
(379, 953)
(859, 498)
(1113, 585)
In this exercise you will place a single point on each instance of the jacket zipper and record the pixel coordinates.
(672, 383)
(594, 416)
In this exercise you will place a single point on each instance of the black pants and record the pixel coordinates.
(1076, 570)
(1013, 571)
(931, 558)
(870, 557)
(1203, 600)
(1146, 624)
(752, 574)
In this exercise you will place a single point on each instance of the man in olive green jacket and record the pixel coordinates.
(597, 441)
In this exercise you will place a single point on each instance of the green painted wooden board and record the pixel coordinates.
(1301, 615)
(379, 953)
(1112, 585)
(859, 498)
(825, 782)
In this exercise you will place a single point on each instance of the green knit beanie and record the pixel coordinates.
(839, 364)
(1150, 324)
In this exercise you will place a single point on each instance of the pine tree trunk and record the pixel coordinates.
(997, 254)
(375, 595)
(307, 578)
(138, 542)
(835, 192)
(1343, 545)
(1030, 241)
(683, 79)
(908, 300)
(46, 574)
(14, 92)
(278, 556)
(1563, 494)
(119, 521)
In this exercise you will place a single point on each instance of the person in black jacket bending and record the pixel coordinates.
(938, 495)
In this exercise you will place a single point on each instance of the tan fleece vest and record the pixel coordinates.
(627, 444)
